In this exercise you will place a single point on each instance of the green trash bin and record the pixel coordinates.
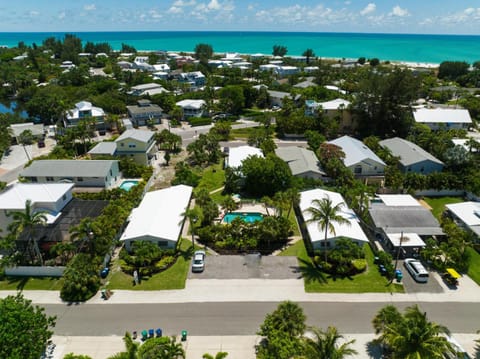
(184, 335)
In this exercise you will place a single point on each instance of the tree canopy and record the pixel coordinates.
(24, 329)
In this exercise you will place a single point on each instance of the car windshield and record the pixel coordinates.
(198, 261)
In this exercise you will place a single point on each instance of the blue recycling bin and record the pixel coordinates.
(398, 275)
(184, 335)
(159, 332)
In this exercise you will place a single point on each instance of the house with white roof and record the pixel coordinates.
(302, 162)
(283, 71)
(159, 218)
(192, 108)
(310, 69)
(50, 198)
(83, 173)
(467, 214)
(138, 145)
(443, 118)
(412, 158)
(150, 89)
(277, 97)
(236, 155)
(360, 159)
(268, 67)
(195, 79)
(84, 110)
(352, 230)
(338, 109)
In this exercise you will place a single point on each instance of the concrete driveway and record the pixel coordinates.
(248, 266)
(412, 286)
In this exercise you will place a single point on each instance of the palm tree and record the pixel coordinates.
(325, 214)
(229, 205)
(83, 234)
(308, 53)
(219, 355)
(130, 345)
(24, 222)
(412, 336)
(324, 345)
(26, 138)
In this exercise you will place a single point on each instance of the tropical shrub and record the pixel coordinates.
(81, 279)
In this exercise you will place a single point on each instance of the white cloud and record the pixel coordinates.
(398, 11)
(182, 3)
(214, 5)
(90, 7)
(307, 15)
(175, 10)
(250, 7)
(470, 16)
(61, 15)
(368, 9)
(33, 13)
(154, 14)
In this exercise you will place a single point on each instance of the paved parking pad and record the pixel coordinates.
(411, 286)
(249, 266)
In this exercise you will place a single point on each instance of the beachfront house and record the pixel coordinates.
(50, 198)
(283, 71)
(143, 112)
(84, 110)
(412, 158)
(443, 118)
(159, 218)
(315, 235)
(82, 173)
(302, 162)
(192, 108)
(360, 159)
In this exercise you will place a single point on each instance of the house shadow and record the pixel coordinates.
(310, 273)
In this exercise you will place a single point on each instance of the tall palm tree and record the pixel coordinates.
(324, 345)
(308, 53)
(83, 235)
(325, 214)
(24, 223)
(413, 336)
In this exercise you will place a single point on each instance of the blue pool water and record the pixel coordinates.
(249, 217)
(127, 185)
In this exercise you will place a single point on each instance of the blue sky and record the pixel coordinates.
(407, 16)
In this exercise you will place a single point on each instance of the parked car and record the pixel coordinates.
(198, 262)
(416, 270)
(41, 143)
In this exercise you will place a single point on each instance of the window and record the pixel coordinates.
(162, 243)
(358, 169)
(64, 197)
(33, 179)
(132, 145)
(50, 179)
(111, 172)
(121, 144)
(80, 179)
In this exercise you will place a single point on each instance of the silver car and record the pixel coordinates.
(198, 262)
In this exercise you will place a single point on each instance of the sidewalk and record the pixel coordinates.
(237, 347)
(260, 290)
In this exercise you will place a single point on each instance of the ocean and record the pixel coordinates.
(393, 47)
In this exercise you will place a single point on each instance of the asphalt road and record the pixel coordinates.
(238, 318)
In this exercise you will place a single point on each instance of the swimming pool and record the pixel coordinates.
(248, 217)
(127, 185)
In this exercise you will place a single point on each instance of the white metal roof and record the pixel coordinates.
(85, 106)
(408, 240)
(15, 197)
(398, 200)
(139, 135)
(238, 154)
(334, 104)
(468, 212)
(191, 104)
(353, 230)
(442, 115)
(159, 215)
(355, 151)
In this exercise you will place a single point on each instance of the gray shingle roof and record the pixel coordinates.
(68, 168)
(408, 152)
(409, 219)
(104, 148)
(355, 151)
(139, 135)
(300, 160)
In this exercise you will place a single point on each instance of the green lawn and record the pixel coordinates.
(474, 265)
(438, 204)
(172, 278)
(318, 282)
(213, 178)
(31, 283)
(241, 133)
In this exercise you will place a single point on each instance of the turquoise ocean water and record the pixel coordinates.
(398, 47)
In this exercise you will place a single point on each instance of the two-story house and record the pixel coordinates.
(84, 110)
(144, 111)
(138, 145)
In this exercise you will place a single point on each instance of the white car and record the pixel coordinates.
(198, 262)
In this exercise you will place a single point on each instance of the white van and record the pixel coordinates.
(416, 269)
